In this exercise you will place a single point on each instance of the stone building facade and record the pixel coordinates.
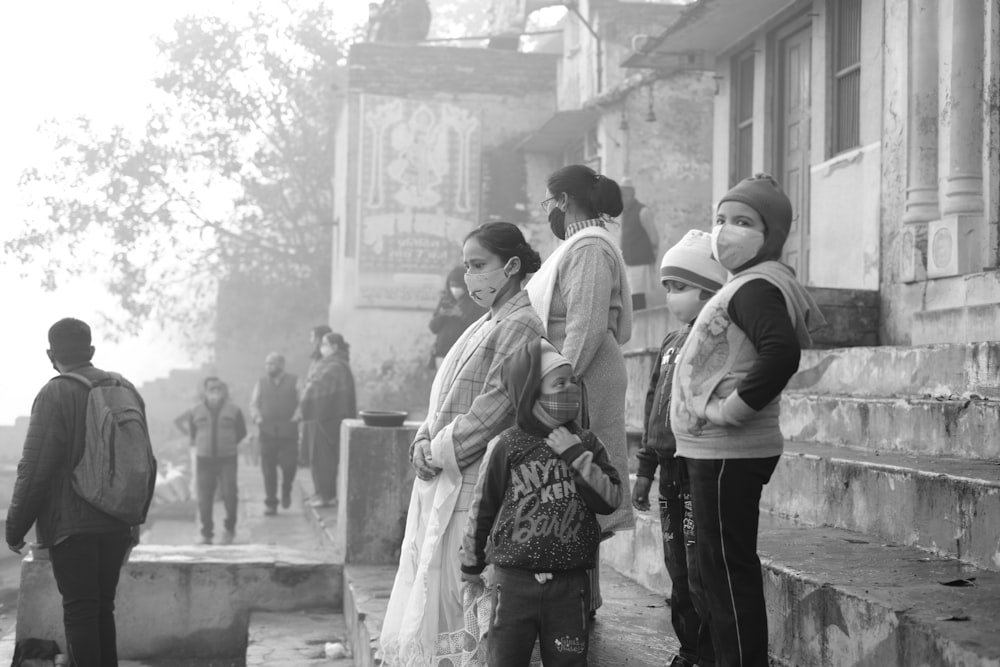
(882, 120)
(427, 150)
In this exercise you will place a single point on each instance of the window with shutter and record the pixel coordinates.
(846, 70)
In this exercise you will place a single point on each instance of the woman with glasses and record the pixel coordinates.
(582, 295)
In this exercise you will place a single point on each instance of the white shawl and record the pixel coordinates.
(542, 285)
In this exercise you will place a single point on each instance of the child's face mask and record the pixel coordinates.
(686, 304)
(559, 407)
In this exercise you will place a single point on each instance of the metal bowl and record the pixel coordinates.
(383, 417)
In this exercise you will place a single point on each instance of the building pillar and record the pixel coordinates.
(991, 138)
(953, 242)
(922, 138)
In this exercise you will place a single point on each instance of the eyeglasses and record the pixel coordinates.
(544, 203)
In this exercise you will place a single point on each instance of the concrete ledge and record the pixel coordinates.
(375, 479)
(837, 598)
(189, 601)
(948, 507)
(917, 426)
(294, 639)
(366, 597)
(930, 370)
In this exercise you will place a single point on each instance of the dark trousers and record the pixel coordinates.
(325, 438)
(681, 558)
(216, 472)
(86, 569)
(277, 453)
(725, 497)
(553, 613)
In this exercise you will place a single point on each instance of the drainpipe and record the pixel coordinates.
(574, 7)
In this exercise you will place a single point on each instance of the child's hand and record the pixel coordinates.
(561, 439)
(640, 493)
(476, 579)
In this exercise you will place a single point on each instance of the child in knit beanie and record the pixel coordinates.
(725, 405)
(762, 232)
(691, 276)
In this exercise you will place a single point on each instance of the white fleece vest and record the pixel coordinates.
(716, 358)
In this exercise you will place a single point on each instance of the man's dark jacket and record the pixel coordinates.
(43, 492)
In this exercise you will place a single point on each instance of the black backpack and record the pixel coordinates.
(117, 471)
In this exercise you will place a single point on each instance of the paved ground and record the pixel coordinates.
(178, 524)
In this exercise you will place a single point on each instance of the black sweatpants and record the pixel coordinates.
(725, 498)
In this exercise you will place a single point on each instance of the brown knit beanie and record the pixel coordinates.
(763, 194)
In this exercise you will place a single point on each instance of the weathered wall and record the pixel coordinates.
(668, 158)
(844, 220)
(512, 94)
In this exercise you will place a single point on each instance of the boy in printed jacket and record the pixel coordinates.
(533, 516)
(691, 276)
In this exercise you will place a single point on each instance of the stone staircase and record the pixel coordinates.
(880, 530)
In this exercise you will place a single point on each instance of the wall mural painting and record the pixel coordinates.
(419, 178)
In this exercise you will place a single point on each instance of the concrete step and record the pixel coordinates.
(631, 628)
(837, 597)
(948, 506)
(295, 639)
(961, 428)
(927, 370)
(930, 371)
(176, 601)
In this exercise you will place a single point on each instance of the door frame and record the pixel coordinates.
(801, 21)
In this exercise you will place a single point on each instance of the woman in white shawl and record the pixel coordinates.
(424, 623)
(582, 295)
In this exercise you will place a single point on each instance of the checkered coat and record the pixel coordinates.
(425, 621)
(472, 405)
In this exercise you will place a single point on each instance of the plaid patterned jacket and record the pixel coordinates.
(473, 405)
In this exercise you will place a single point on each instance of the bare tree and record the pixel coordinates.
(230, 179)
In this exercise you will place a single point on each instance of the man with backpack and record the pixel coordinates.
(85, 481)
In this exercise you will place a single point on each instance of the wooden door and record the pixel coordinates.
(794, 109)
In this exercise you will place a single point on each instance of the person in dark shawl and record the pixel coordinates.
(327, 399)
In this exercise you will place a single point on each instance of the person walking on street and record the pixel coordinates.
(640, 242)
(327, 400)
(215, 427)
(87, 546)
(273, 403)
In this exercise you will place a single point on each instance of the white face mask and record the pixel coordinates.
(685, 305)
(734, 246)
(484, 287)
(457, 292)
